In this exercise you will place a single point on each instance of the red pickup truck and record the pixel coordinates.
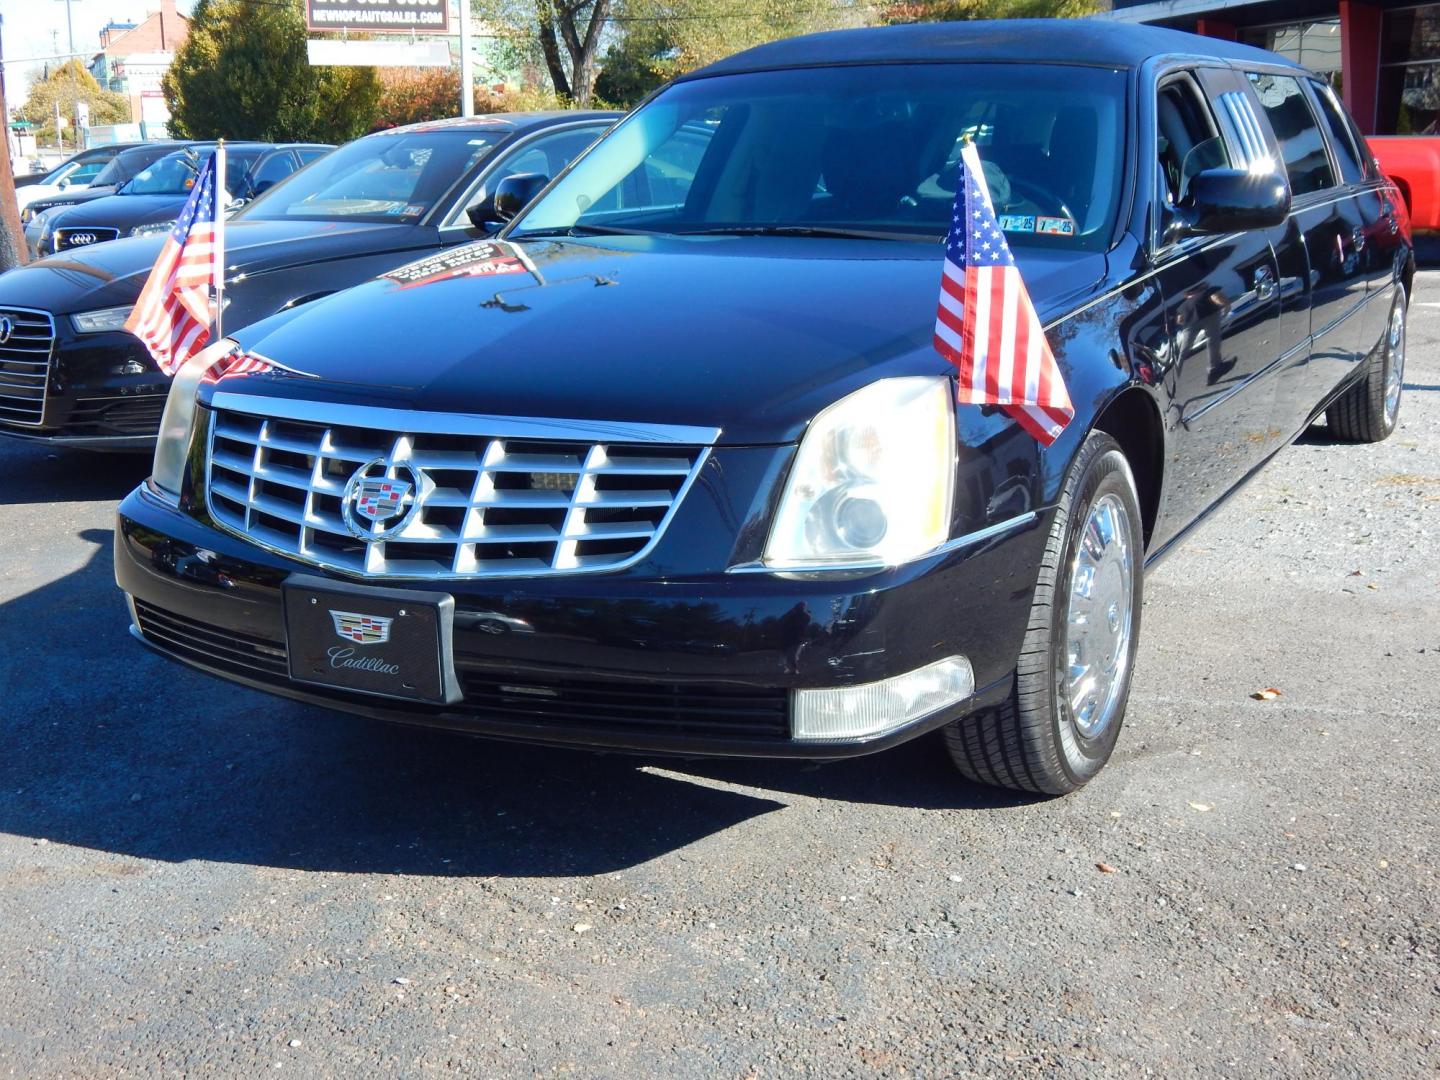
(1413, 162)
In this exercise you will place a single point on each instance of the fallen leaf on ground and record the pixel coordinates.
(1104, 868)
(1268, 694)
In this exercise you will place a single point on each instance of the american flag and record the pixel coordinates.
(986, 325)
(175, 309)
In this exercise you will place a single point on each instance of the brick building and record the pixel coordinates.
(133, 58)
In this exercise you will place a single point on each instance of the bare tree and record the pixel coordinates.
(575, 24)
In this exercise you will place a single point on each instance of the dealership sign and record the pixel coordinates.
(325, 52)
(413, 16)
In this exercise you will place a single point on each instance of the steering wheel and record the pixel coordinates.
(1052, 205)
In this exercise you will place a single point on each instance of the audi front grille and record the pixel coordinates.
(444, 496)
(27, 344)
(83, 236)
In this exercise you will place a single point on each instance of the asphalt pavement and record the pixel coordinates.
(197, 879)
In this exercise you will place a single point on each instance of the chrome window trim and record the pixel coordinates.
(455, 218)
(446, 423)
(990, 532)
(49, 364)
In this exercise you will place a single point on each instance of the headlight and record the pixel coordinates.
(168, 472)
(102, 321)
(872, 481)
(152, 229)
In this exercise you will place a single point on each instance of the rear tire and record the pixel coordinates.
(1369, 411)
(1072, 678)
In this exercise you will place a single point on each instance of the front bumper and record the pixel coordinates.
(103, 392)
(694, 665)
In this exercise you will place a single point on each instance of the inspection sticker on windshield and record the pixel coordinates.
(1017, 223)
(488, 258)
(1055, 226)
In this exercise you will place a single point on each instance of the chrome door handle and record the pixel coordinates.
(1265, 284)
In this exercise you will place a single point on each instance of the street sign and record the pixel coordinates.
(82, 113)
(332, 51)
(417, 16)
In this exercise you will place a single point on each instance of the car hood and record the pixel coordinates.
(122, 211)
(71, 198)
(750, 335)
(108, 275)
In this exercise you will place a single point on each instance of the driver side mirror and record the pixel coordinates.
(514, 192)
(1232, 200)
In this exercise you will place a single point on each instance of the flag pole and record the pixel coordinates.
(218, 256)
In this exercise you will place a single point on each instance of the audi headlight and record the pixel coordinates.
(102, 321)
(873, 480)
(154, 228)
(173, 444)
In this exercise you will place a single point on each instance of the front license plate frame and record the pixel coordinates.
(364, 639)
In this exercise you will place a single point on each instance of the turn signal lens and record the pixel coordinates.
(840, 713)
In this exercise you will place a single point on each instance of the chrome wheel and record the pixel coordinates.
(1395, 364)
(1099, 617)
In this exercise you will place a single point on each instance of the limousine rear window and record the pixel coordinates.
(860, 149)
(1345, 152)
(1302, 147)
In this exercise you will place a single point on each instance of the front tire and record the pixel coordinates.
(1072, 681)
(1369, 411)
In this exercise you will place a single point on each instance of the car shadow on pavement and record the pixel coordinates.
(44, 474)
(106, 745)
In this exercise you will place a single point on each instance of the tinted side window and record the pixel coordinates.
(1340, 140)
(272, 170)
(1185, 139)
(1301, 145)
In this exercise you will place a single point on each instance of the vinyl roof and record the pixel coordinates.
(1076, 41)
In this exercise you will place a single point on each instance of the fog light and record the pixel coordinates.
(839, 713)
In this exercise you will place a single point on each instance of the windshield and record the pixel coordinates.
(174, 174)
(77, 173)
(867, 148)
(388, 177)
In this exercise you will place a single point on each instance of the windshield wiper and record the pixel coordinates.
(585, 230)
(812, 230)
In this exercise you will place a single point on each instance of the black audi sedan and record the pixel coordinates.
(684, 421)
(73, 376)
(150, 201)
(119, 170)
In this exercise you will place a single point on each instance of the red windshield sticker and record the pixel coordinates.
(489, 258)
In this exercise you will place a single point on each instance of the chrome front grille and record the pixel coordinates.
(485, 503)
(84, 236)
(25, 351)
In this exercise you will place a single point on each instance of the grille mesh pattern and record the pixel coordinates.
(83, 236)
(25, 365)
(697, 710)
(485, 507)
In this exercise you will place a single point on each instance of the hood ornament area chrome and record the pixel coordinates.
(379, 499)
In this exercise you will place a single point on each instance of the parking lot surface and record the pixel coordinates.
(199, 879)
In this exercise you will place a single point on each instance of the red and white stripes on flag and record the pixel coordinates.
(986, 325)
(176, 306)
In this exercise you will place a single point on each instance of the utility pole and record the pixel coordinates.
(74, 75)
(12, 239)
(467, 63)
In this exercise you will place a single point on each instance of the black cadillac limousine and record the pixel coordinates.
(672, 465)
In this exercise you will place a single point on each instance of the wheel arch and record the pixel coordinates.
(1132, 419)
